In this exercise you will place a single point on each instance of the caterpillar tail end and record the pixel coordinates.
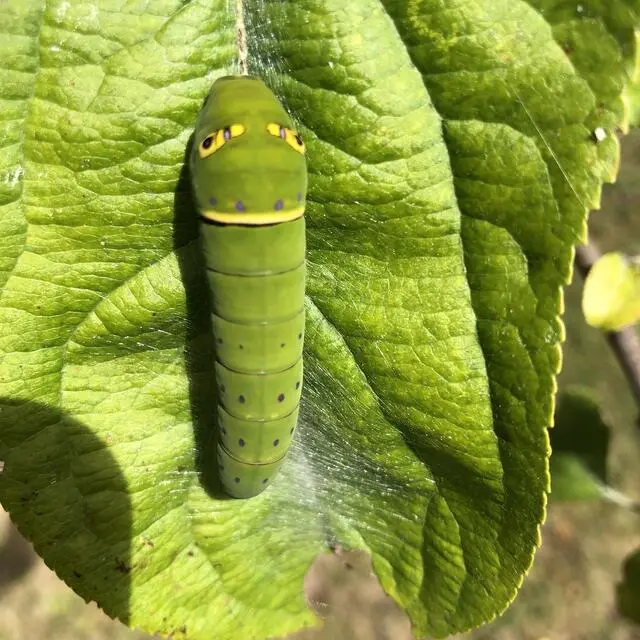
(243, 480)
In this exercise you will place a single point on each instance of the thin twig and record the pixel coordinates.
(625, 343)
(241, 37)
(620, 499)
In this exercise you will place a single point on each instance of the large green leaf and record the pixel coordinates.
(451, 167)
(599, 39)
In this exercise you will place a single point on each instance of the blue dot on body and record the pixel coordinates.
(213, 201)
(240, 206)
(299, 197)
(278, 205)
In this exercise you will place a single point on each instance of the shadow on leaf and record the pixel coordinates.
(66, 493)
(199, 345)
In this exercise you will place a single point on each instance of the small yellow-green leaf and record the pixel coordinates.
(634, 103)
(633, 90)
(611, 296)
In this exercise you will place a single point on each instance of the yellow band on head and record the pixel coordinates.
(253, 219)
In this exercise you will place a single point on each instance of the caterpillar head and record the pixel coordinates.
(247, 163)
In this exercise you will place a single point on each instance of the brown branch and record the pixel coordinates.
(625, 343)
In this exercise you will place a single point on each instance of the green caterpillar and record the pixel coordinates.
(249, 179)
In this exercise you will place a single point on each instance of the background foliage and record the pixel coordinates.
(451, 169)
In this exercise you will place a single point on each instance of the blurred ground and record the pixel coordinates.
(569, 594)
(36, 605)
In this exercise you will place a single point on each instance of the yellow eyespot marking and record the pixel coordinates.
(253, 219)
(219, 138)
(286, 134)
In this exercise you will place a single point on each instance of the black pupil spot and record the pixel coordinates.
(281, 397)
(265, 481)
(276, 443)
(224, 431)
(282, 344)
(241, 442)
(290, 432)
(219, 340)
(207, 142)
(237, 479)
(297, 385)
(241, 399)
(299, 336)
(241, 346)
(299, 140)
